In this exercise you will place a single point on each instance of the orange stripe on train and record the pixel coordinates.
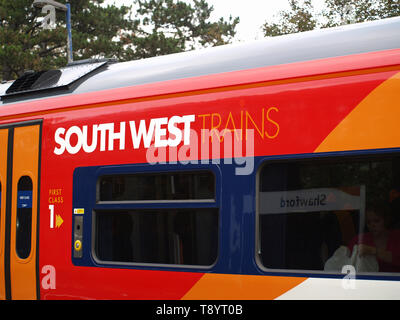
(241, 287)
(373, 124)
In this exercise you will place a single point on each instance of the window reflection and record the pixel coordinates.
(157, 186)
(323, 214)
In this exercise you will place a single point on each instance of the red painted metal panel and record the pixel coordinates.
(291, 108)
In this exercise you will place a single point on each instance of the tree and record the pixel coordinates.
(170, 26)
(340, 12)
(302, 15)
(103, 30)
(299, 18)
(25, 45)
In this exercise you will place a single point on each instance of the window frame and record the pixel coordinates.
(155, 205)
(361, 155)
(99, 201)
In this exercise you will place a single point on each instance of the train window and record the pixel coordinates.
(322, 214)
(164, 218)
(161, 236)
(157, 186)
(24, 217)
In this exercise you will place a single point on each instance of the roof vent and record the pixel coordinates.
(33, 82)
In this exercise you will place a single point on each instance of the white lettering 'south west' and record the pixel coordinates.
(103, 136)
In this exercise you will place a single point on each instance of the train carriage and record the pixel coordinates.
(261, 170)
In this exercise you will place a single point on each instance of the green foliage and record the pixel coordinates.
(299, 18)
(343, 11)
(153, 27)
(25, 45)
(170, 26)
(302, 15)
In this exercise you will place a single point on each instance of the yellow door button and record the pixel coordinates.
(78, 245)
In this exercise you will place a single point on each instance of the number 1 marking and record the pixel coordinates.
(51, 208)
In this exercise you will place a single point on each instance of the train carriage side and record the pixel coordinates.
(244, 184)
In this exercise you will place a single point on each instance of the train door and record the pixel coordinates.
(19, 183)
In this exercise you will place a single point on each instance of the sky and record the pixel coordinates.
(252, 14)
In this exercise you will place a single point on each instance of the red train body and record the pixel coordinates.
(324, 107)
